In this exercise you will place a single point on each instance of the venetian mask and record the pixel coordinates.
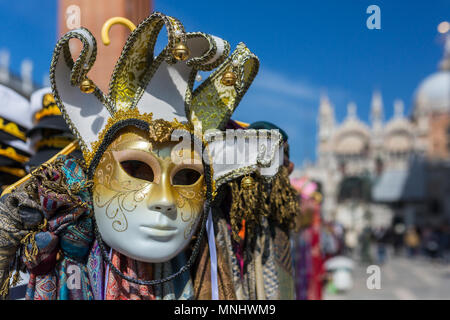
(148, 197)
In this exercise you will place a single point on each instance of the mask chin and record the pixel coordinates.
(146, 205)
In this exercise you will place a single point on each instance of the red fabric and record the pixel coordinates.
(317, 272)
(46, 265)
(120, 289)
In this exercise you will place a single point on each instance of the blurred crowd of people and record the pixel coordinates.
(314, 244)
(426, 241)
(372, 245)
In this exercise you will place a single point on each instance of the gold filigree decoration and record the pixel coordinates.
(115, 206)
(158, 128)
(160, 131)
(190, 198)
(133, 65)
(213, 102)
(218, 95)
(122, 192)
(120, 115)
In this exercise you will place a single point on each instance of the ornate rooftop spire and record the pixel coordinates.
(325, 107)
(445, 63)
(26, 73)
(444, 28)
(351, 111)
(377, 107)
(398, 108)
(326, 117)
(4, 65)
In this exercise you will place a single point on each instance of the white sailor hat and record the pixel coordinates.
(15, 115)
(45, 113)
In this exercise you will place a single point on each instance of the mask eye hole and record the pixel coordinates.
(138, 169)
(185, 177)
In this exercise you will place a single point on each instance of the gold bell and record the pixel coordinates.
(229, 78)
(87, 86)
(180, 52)
(247, 183)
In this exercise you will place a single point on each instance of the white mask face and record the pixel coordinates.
(146, 206)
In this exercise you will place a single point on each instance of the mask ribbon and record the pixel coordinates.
(213, 257)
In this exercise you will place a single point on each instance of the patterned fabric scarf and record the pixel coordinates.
(15, 224)
(259, 268)
(120, 289)
(202, 275)
(55, 255)
(283, 259)
(117, 288)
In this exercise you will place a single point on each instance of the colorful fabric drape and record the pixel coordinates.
(67, 234)
(14, 226)
(119, 289)
(251, 269)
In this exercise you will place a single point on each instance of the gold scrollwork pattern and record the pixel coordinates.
(133, 64)
(189, 201)
(119, 197)
(213, 102)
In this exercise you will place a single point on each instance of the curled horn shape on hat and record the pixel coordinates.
(216, 96)
(86, 114)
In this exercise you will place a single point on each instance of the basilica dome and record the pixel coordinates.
(433, 93)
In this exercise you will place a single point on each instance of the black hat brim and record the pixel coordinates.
(50, 122)
(7, 162)
(45, 154)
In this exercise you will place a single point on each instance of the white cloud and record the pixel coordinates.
(283, 85)
(291, 103)
(273, 104)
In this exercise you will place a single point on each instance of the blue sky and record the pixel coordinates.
(305, 48)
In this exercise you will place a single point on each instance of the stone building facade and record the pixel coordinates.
(371, 172)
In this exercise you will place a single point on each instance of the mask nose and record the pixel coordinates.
(164, 207)
(163, 200)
